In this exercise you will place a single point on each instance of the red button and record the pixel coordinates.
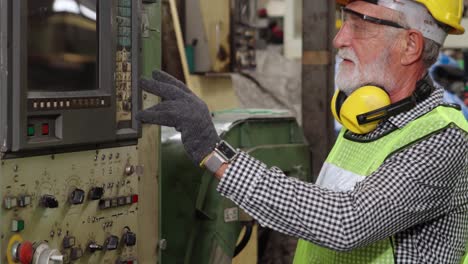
(45, 129)
(135, 198)
(25, 252)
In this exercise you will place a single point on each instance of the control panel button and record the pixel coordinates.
(76, 253)
(31, 130)
(17, 225)
(114, 202)
(96, 193)
(135, 198)
(45, 129)
(93, 247)
(104, 203)
(10, 202)
(25, 252)
(129, 239)
(111, 243)
(77, 196)
(121, 200)
(49, 201)
(24, 200)
(68, 241)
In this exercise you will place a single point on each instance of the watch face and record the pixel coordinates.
(226, 150)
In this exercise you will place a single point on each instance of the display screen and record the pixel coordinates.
(62, 45)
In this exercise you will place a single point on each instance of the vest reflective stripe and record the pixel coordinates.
(359, 159)
(335, 178)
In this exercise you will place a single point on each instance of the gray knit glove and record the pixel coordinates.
(181, 109)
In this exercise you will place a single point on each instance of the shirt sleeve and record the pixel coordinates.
(411, 187)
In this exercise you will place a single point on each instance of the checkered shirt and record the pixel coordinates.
(418, 196)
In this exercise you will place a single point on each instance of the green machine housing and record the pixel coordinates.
(198, 225)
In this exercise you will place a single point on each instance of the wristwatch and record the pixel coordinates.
(223, 153)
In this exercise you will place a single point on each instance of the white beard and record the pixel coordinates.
(348, 80)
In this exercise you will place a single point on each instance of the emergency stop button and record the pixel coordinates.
(25, 252)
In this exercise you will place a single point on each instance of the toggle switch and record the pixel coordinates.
(93, 247)
(77, 196)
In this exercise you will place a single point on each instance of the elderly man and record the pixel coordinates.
(394, 189)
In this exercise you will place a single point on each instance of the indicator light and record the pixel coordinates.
(31, 130)
(45, 129)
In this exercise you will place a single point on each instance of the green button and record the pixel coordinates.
(17, 225)
(31, 130)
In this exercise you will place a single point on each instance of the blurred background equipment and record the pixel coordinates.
(211, 225)
(221, 41)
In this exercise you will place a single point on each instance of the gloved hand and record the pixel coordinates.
(181, 109)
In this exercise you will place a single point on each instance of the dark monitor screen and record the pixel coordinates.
(62, 45)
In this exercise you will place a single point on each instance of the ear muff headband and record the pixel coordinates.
(423, 91)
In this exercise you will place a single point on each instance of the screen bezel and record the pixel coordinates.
(107, 131)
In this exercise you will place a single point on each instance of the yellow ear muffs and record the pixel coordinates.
(336, 103)
(361, 101)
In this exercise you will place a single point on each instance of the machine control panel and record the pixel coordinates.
(84, 211)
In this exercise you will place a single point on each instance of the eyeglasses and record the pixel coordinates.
(363, 26)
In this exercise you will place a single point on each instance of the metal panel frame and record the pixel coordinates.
(4, 75)
(80, 127)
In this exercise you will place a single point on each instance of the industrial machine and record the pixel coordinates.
(223, 41)
(197, 224)
(78, 173)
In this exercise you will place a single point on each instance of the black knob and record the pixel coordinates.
(96, 193)
(76, 253)
(111, 243)
(93, 247)
(49, 201)
(129, 238)
(77, 196)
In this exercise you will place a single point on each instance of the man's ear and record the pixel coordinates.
(412, 48)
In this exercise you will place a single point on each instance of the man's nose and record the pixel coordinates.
(342, 38)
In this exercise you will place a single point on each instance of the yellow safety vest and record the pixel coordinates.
(349, 160)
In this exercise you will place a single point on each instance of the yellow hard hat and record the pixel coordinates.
(447, 12)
